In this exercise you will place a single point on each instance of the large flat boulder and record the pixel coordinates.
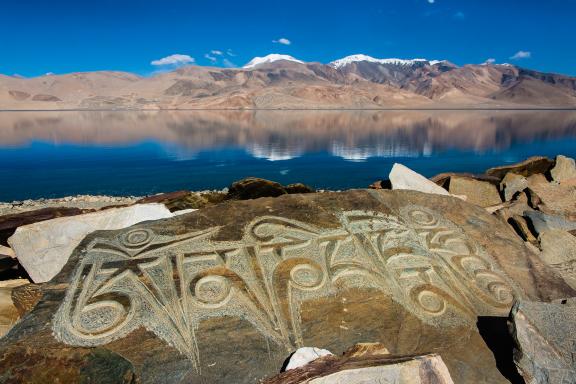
(43, 248)
(559, 253)
(225, 294)
(545, 341)
(481, 193)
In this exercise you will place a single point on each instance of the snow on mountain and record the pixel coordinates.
(356, 58)
(270, 59)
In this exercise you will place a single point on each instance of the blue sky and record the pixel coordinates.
(40, 36)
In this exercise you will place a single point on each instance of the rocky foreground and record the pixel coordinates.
(457, 279)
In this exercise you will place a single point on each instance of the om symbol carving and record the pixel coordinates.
(170, 284)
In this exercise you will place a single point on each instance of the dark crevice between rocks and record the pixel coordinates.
(494, 331)
(286, 362)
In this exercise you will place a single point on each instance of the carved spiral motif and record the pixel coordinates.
(101, 317)
(212, 289)
(137, 238)
(431, 302)
(423, 218)
(306, 275)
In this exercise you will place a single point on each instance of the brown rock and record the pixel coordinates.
(564, 169)
(224, 294)
(544, 336)
(555, 199)
(25, 297)
(8, 313)
(443, 179)
(41, 97)
(381, 184)
(481, 193)
(512, 184)
(181, 200)
(522, 228)
(254, 188)
(298, 188)
(531, 166)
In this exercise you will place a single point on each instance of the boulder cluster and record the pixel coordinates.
(460, 278)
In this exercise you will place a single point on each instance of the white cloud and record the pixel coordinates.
(175, 59)
(212, 59)
(431, 1)
(490, 61)
(228, 64)
(521, 55)
(216, 52)
(283, 41)
(229, 52)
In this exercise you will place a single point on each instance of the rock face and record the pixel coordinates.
(481, 193)
(565, 169)
(226, 293)
(545, 342)
(403, 177)
(43, 248)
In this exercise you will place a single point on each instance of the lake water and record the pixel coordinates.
(54, 154)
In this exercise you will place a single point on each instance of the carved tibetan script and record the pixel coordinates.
(169, 284)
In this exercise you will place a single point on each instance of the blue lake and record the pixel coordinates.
(54, 154)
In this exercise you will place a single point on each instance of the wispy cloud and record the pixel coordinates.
(229, 52)
(228, 64)
(521, 55)
(216, 52)
(174, 60)
(283, 41)
(212, 59)
(490, 61)
(431, 1)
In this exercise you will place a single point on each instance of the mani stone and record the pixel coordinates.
(43, 248)
(404, 178)
(529, 167)
(545, 338)
(481, 193)
(565, 169)
(224, 294)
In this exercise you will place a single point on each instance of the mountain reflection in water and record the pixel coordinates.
(60, 153)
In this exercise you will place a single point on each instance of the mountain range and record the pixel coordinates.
(283, 82)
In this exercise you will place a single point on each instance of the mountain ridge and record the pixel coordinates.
(284, 82)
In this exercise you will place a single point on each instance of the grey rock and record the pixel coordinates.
(545, 337)
(542, 222)
(559, 253)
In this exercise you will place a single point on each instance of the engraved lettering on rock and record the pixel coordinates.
(170, 284)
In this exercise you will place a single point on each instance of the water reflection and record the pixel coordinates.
(285, 135)
(46, 154)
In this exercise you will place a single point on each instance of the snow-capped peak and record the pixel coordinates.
(356, 58)
(270, 59)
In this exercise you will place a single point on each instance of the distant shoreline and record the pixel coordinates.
(296, 109)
